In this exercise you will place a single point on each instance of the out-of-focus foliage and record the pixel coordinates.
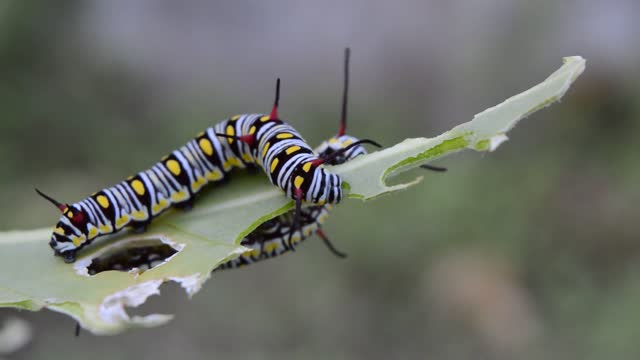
(531, 252)
(15, 333)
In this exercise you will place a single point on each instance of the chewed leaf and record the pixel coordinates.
(185, 246)
(366, 176)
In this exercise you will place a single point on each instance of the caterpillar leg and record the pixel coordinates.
(327, 242)
(76, 332)
(140, 226)
(263, 254)
(253, 170)
(296, 217)
(186, 205)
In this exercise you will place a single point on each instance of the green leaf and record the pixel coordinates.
(32, 279)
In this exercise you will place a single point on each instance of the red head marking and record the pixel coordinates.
(78, 218)
(248, 139)
(274, 110)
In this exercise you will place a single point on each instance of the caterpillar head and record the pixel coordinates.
(326, 186)
(335, 145)
(69, 233)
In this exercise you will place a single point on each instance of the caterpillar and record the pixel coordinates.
(241, 141)
(270, 238)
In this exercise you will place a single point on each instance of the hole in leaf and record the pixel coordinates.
(140, 256)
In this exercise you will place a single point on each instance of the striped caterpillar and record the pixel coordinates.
(270, 238)
(238, 142)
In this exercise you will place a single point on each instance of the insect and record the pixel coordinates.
(241, 141)
(270, 238)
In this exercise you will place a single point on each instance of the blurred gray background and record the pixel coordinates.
(527, 253)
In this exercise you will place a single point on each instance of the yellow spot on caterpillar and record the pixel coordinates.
(122, 221)
(206, 146)
(106, 229)
(252, 130)
(58, 230)
(265, 118)
(306, 167)
(179, 196)
(139, 215)
(103, 201)
(298, 181)
(214, 175)
(93, 232)
(138, 187)
(231, 131)
(274, 163)
(70, 214)
(347, 143)
(295, 239)
(161, 205)
(235, 117)
(333, 141)
(254, 252)
(321, 202)
(292, 149)
(247, 158)
(174, 167)
(266, 148)
(307, 231)
(284, 136)
(78, 240)
(270, 247)
(322, 218)
(199, 183)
